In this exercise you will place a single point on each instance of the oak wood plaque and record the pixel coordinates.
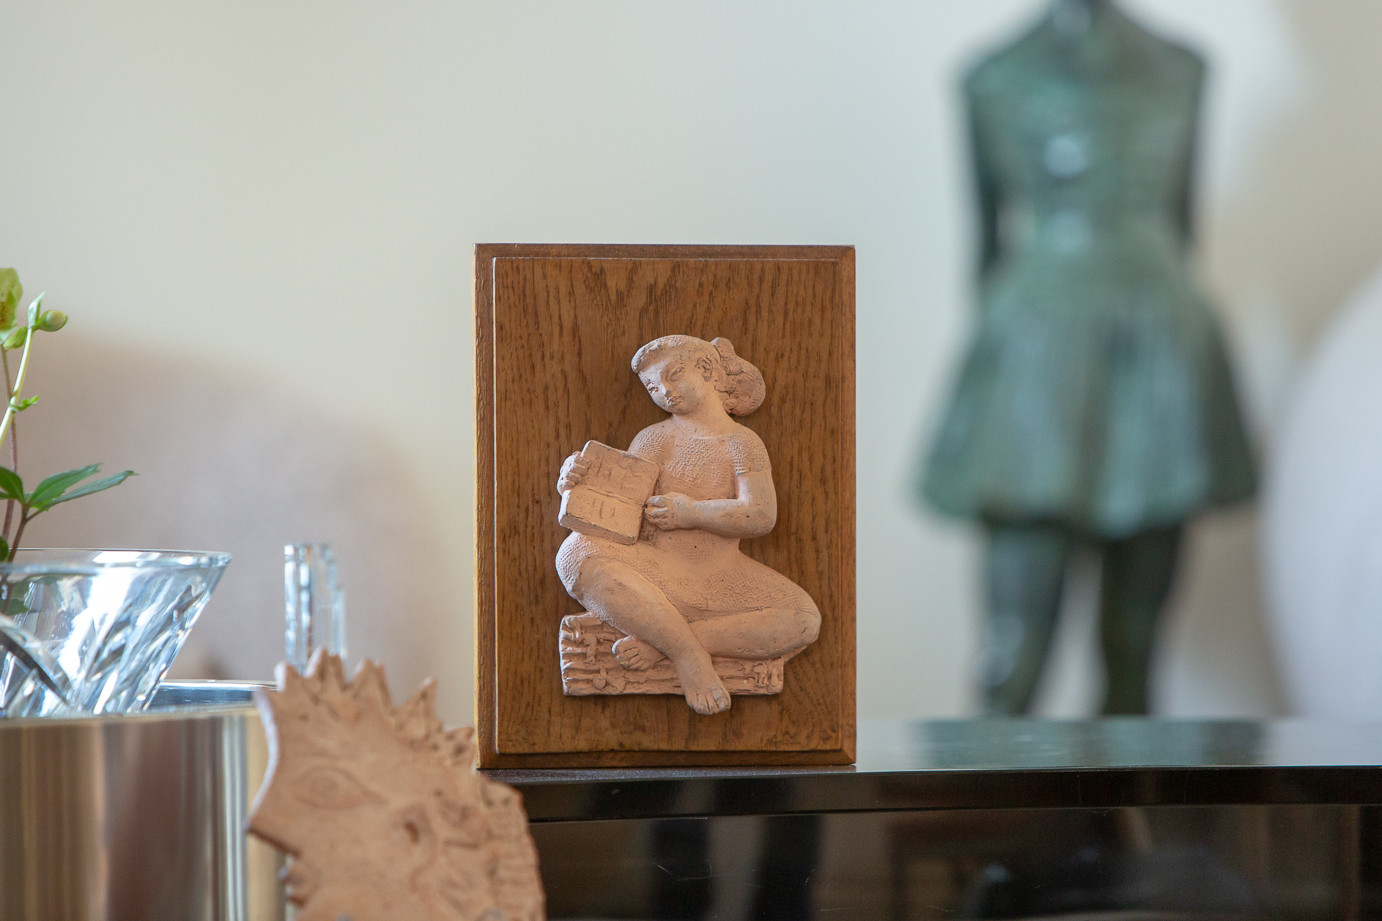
(555, 328)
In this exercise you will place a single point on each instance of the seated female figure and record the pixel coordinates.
(684, 590)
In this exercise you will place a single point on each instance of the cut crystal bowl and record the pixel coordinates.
(94, 631)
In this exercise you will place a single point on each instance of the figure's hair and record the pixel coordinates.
(739, 382)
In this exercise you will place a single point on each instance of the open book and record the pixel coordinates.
(609, 500)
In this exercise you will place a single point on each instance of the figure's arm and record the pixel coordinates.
(751, 513)
(1185, 190)
(985, 187)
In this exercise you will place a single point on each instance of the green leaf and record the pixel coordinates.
(47, 492)
(35, 309)
(11, 291)
(87, 489)
(20, 405)
(11, 486)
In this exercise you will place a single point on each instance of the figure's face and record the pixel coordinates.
(678, 383)
(361, 820)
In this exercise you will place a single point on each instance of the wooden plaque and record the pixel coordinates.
(555, 329)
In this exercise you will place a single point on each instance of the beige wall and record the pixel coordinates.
(260, 215)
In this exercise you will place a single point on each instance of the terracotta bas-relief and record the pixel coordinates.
(680, 609)
(382, 811)
(555, 327)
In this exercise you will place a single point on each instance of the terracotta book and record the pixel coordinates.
(609, 501)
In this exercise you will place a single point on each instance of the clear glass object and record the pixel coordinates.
(314, 601)
(94, 631)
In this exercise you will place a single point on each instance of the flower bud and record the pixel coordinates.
(52, 321)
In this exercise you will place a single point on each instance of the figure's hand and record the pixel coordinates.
(670, 511)
(573, 470)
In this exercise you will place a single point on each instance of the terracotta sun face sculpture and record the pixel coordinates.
(672, 604)
(381, 810)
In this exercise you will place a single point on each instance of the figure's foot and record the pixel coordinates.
(636, 655)
(704, 690)
(709, 701)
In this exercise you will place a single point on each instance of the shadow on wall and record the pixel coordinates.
(226, 463)
(1307, 223)
(1304, 225)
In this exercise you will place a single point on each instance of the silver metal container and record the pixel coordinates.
(137, 817)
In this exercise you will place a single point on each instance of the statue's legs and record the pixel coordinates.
(1137, 577)
(1024, 573)
(763, 634)
(623, 598)
(759, 634)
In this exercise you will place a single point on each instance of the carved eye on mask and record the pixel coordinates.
(330, 788)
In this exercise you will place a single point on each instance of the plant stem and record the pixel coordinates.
(18, 385)
(24, 519)
(14, 444)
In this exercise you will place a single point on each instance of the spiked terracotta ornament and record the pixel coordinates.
(381, 809)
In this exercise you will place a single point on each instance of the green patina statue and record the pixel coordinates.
(1095, 406)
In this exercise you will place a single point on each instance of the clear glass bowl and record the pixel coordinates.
(94, 631)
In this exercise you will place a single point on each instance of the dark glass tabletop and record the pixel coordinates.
(998, 763)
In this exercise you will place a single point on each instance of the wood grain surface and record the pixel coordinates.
(556, 327)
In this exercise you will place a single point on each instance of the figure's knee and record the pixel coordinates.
(573, 559)
(808, 620)
(591, 582)
(597, 583)
(800, 627)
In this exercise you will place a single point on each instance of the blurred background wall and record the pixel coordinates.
(260, 216)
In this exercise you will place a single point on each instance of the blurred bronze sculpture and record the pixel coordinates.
(1095, 405)
(672, 605)
(382, 811)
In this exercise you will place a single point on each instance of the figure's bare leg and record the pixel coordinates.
(634, 605)
(763, 634)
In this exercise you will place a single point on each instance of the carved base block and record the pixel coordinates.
(588, 666)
